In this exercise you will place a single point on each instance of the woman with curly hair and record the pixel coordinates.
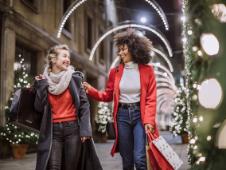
(132, 87)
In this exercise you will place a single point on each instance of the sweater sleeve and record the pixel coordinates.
(107, 94)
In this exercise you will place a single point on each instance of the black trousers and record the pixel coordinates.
(66, 146)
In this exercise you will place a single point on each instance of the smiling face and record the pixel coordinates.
(124, 54)
(62, 60)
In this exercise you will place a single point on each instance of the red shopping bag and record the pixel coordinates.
(157, 160)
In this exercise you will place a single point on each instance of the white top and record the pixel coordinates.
(130, 84)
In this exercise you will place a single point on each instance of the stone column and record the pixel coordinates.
(7, 68)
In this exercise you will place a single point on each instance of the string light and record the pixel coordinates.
(164, 57)
(159, 10)
(117, 28)
(76, 4)
(164, 74)
(164, 69)
(67, 14)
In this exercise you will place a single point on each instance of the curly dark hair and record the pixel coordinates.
(139, 45)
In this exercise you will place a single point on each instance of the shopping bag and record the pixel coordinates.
(88, 159)
(22, 112)
(148, 158)
(163, 153)
(110, 130)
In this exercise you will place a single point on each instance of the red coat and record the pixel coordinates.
(147, 97)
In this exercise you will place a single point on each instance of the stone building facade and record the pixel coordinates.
(29, 28)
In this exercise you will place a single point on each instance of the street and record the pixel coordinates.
(103, 150)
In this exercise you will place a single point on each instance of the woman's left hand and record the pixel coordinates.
(84, 138)
(149, 128)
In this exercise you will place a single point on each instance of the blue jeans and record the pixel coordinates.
(132, 138)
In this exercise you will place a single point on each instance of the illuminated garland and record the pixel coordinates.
(155, 31)
(78, 3)
(12, 133)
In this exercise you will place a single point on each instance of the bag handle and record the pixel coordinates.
(151, 136)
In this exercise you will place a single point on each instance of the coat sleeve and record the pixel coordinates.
(150, 106)
(107, 94)
(40, 88)
(84, 113)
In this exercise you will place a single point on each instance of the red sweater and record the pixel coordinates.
(62, 107)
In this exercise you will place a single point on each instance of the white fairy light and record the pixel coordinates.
(208, 138)
(183, 18)
(200, 53)
(165, 81)
(164, 69)
(210, 44)
(195, 120)
(160, 85)
(192, 141)
(166, 91)
(71, 9)
(164, 74)
(152, 53)
(202, 159)
(210, 98)
(217, 125)
(194, 97)
(159, 10)
(190, 32)
(153, 30)
(164, 57)
(76, 4)
(195, 85)
(194, 48)
(200, 118)
(184, 39)
(195, 147)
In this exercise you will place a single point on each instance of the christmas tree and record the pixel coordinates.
(12, 133)
(180, 121)
(204, 50)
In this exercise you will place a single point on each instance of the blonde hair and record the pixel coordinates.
(52, 53)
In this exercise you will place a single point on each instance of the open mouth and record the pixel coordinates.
(66, 64)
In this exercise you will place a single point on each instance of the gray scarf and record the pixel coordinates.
(59, 82)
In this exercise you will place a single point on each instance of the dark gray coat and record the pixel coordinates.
(42, 105)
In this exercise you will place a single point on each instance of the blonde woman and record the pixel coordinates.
(66, 114)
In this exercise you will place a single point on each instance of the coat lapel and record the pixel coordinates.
(142, 80)
(74, 92)
(118, 76)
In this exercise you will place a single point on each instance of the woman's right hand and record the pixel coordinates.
(39, 77)
(86, 86)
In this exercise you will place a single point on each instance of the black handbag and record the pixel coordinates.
(88, 158)
(22, 112)
(110, 130)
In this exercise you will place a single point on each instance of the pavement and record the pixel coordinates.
(103, 151)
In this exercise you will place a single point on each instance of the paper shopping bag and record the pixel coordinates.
(163, 153)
